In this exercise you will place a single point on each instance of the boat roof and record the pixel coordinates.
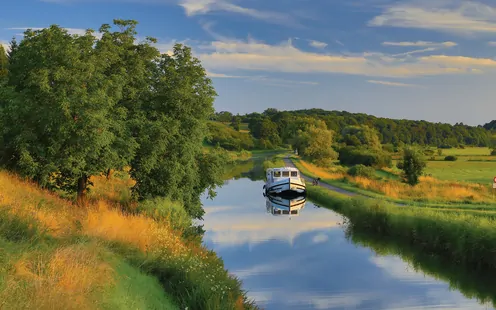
(283, 169)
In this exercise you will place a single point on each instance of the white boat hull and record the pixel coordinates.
(286, 186)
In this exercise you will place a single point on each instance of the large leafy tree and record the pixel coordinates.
(62, 126)
(315, 143)
(173, 126)
(77, 106)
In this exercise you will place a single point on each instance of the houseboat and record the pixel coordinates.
(277, 205)
(284, 181)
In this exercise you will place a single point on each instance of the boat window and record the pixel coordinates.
(277, 174)
(285, 174)
(294, 173)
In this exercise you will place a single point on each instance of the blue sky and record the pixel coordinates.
(413, 59)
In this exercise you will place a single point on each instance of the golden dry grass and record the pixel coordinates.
(327, 174)
(429, 188)
(69, 278)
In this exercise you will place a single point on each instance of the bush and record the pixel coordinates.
(362, 171)
(163, 209)
(429, 152)
(493, 152)
(450, 158)
(351, 156)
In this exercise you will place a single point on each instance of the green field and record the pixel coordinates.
(469, 151)
(469, 171)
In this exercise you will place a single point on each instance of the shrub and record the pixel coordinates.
(362, 171)
(413, 166)
(428, 152)
(450, 158)
(351, 156)
(439, 152)
(493, 152)
(161, 209)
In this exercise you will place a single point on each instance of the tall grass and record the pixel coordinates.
(471, 283)
(65, 267)
(463, 238)
(428, 190)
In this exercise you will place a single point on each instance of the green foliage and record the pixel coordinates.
(68, 104)
(465, 239)
(361, 136)
(362, 171)
(389, 131)
(389, 148)
(439, 152)
(450, 158)
(77, 106)
(4, 63)
(315, 143)
(351, 156)
(236, 122)
(493, 152)
(413, 166)
(228, 138)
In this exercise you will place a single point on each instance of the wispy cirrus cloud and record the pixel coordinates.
(200, 7)
(421, 44)
(252, 56)
(387, 83)
(453, 16)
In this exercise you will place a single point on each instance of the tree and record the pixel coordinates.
(315, 143)
(236, 122)
(172, 128)
(4, 62)
(361, 136)
(413, 166)
(72, 124)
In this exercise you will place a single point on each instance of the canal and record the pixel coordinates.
(310, 260)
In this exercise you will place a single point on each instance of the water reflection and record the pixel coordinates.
(308, 262)
(283, 205)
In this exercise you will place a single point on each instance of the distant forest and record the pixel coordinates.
(274, 127)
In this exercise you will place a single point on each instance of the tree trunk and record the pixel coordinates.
(108, 173)
(81, 192)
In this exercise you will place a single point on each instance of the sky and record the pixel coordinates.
(428, 60)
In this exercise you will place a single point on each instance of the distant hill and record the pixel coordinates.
(391, 131)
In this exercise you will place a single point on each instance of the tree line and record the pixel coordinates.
(75, 106)
(273, 127)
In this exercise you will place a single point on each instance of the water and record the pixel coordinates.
(306, 261)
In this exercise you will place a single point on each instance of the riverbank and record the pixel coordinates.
(110, 255)
(387, 186)
(463, 238)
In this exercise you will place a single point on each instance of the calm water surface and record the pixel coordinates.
(306, 261)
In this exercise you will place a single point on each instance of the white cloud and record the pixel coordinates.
(318, 44)
(251, 55)
(492, 43)
(455, 16)
(199, 7)
(421, 44)
(425, 50)
(386, 83)
(225, 76)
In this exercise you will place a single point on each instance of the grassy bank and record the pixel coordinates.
(478, 284)
(54, 254)
(464, 239)
(387, 185)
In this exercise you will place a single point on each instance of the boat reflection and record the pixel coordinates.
(281, 205)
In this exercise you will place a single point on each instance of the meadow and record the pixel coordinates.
(108, 255)
(465, 181)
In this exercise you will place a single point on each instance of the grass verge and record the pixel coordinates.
(105, 256)
(462, 238)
